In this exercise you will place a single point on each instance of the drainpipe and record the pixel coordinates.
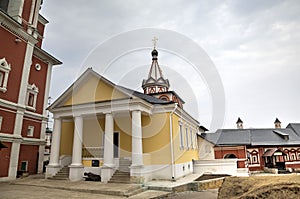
(171, 143)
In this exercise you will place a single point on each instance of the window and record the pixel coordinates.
(1, 119)
(181, 135)
(286, 158)
(4, 72)
(254, 159)
(30, 99)
(30, 131)
(292, 157)
(187, 137)
(1, 78)
(24, 165)
(32, 92)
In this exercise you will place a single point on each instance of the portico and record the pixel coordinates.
(110, 112)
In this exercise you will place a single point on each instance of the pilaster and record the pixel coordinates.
(42, 147)
(14, 159)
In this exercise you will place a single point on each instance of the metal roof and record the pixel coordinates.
(255, 137)
(148, 98)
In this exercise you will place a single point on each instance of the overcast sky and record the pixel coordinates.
(254, 46)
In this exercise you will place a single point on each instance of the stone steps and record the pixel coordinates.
(62, 174)
(124, 165)
(120, 177)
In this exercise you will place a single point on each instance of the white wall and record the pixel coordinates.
(206, 149)
(217, 166)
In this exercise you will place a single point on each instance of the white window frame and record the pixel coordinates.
(30, 131)
(5, 69)
(181, 136)
(187, 137)
(287, 158)
(1, 119)
(32, 90)
(1, 78)
(195, 139)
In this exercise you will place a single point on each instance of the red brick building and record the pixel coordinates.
(25, 72)
(257, 149)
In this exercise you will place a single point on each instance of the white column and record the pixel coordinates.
(108, 141)
(55, 144)
(137, 147)
(108, 168)
(77, 142)
(76, 168)
(54, 166)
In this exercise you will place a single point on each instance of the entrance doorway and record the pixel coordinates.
(116, 144)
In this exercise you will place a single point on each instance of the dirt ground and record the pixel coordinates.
(281, 186)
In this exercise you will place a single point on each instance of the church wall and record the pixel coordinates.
(4, 159)
(38, 78)
(156, 139)
(66, 140)
(13, 53)
(183, 154)
(8, 118)
(29, 154)
(93, 130)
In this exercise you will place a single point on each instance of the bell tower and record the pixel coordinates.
(156, 85)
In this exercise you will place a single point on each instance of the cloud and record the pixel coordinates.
(254, 45)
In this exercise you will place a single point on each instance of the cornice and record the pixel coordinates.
(19, 107)
(114, 106)
(15, 28)
(23, 140)
(45, 56)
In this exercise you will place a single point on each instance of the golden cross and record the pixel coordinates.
(154, 41)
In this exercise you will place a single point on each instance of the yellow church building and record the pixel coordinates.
(110, 130)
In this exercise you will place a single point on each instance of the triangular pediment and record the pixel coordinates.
(90, 87)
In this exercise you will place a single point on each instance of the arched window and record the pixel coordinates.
(229, 156)
(164, 97)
